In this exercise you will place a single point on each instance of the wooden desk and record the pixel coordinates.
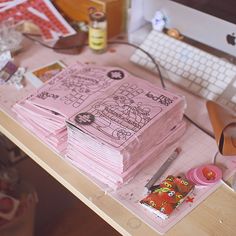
(214, 216)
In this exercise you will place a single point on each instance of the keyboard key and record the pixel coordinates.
(196, 64)
(203, 92)
(187, 68)
(221, 84)
(209, 63)
(185, 52)
(162, 63)
(205, 76)
(215, 89)
(175, 62)
(203, 60)
(230, 73)
(199, 73)
(185, 83)
(202, 67)
(198, 80)
(212, 80)
(211, 96)
(221, 77)
(195, 88)
(214, 73)
(192, 77)
(208, 70)
(168, 66)
(204, 84)
(163, 57)
(186, 74)
(178, 56)
(174, 68)
(179, 72)
(222, 69)
(189, 61)
(223, 101)
(215, 66)
(193, 71)
(227, 79)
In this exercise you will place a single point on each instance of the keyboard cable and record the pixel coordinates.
(29, 36)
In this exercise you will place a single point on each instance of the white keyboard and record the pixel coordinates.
(195, 70)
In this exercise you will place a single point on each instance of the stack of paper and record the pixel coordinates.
(45, 111)
(116, 122)
(112, 137)
(44, 123)
(99, 169)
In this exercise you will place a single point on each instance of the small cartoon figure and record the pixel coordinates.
(208, 173)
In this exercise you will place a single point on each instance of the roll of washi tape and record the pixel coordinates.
(196, 178)
(189, 175)
(208, 174)
(204, 175)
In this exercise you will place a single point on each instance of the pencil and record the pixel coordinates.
(163, 168)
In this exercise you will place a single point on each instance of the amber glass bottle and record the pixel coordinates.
(98, 32)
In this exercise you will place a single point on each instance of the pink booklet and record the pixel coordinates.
(124, 107)
(74, 87)
(127, 118)
(128, 108)
(104, 171)
(44, 112)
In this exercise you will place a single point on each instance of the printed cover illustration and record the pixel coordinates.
(167, 196)
(122, 113)
(74, 86)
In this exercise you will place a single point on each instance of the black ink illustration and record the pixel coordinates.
(116, 74)
(84, 118)
(122, 114)
(44, 95)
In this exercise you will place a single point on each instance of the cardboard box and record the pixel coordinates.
(115, 11)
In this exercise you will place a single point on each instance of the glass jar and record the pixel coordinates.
(98, 32)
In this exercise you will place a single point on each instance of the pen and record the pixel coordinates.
(162, 169)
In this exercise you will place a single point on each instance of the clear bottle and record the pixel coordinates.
(98, 32)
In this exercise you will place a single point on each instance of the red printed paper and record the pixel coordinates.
(167, 196)
(41, 12)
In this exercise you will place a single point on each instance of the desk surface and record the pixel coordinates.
(214, 216)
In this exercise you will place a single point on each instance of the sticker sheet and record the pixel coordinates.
(167, 196)
(41, 12)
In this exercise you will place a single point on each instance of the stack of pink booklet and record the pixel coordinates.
(122, 129)
(44, 123)
(108, 122)
(45, 111)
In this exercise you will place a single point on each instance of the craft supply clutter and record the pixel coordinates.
(115, 127)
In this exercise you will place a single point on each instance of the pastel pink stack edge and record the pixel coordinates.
(135, 120)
